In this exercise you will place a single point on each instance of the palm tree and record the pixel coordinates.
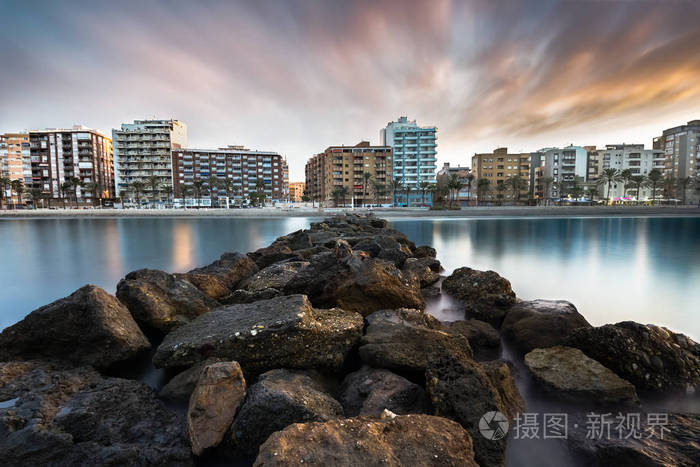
(455, 185)
(394, 186)
(637, 182)
(153, 183)
(4, 186)
(168, 190)
(669, 184)
(626, 178)
(260, 188)
(37, 194)
(482, 186)
(408, 189)
(379, 190)
(500, 188)
(214, 184)
(684, 184)
(197, 186)
(423, 188)
(468, 181)
(137, 186)
(339, 194)
(655, 177)
(367, 176)
(93, 188)
(608, 177)
(517, 184)
(75, 184)
(548, 185)
(63, 189)
(18, 187)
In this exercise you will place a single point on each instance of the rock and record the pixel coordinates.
(483, 338)
(432, 291)
(541, 323)
(275, 276)
(460, 389)
(278, 399)
(342, 249)
(299, 240)
(421, 270)
(486, 295)
(280, 332)
(77, 417)
(407, 341)
(213, 404)
(89, 327)
(370, 391)
(385, 247)
(425, 251)
(500, 376)
(652, 358)
(244, 296)
(160, 301)
(403, 440)
(274, 253)
(180, 386)
(221, 277)
(355, 283)
(569, 374)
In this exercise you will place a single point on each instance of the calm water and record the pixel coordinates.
(612, 269)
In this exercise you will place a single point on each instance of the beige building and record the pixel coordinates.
(500, 166)
(15, 159)
(296, 191)
(344, 167)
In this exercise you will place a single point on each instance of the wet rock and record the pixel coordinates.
(180, 386)
(499, 374)
(77, 417)
(407, 341)
(361, 441)
(89, 327)
(280, 332)
(486, 295)
(425, 251)
(421, 270)
(210, 286)
(278, 399)
(245, 296)
(274, 253)
(541, 323)
(370, 391)
(299, 240)
(213, 404)
(652, 358)
(221, 277)
(569, 374)
(160, 301)
(275, 276)
(483, 338)
(432, 291)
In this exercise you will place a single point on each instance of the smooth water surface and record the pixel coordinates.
(612, 269)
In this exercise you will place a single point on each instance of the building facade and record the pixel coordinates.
(344, 167)
(244, 171)
(414, 150)
(61, 155)
(143, 149)
(553, 170)
(681, 146)
(465, 176)
(637, 160)
(499, 167)
(296, 191)
(15, 157)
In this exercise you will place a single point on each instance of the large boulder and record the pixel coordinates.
(402, 440)
(161, 301)
(278, 399)
(569, 374)
(486, 295)
(422, 271)
(541, 323)
(407, 342)
(89, 327)
(483, 338)
(76, 417)
(425, 251)
(213, 404)
(275, 276)
(180, 387)
(221, 277)
(369, 391)
(281, 332)
(652, 358)
(275, 253)
(501, 378)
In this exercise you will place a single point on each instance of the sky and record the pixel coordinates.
(298, 76)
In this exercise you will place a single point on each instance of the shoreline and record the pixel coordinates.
(465, 213)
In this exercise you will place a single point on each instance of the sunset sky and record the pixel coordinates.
(298, 76)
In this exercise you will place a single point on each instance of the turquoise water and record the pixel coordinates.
(612, 269)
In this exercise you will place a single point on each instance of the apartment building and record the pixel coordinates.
(634, 157)
(143, 149)
(244, 168)
(296, 191)
(447, 172)
(345, 167)
(15, 158)
(500, 166)
(554, 169)
(60, 155)
(414, 151)
(681, 146)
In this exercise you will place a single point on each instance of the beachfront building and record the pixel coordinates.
(415, 154)
(144, 149)
(15, 159)
(236, 172)
(362, 173)
(498, 167)
(681, 146)
(79, 159)
(465, 176)
(632, 157)
(296, 191)
(555, 170)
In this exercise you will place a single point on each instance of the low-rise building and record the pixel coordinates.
(466, 177)
(499, 167)
(296, 191)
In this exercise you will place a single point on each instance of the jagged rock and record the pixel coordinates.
(362, 441)
(280, 332)
(77, 417)
(89, 327)
(213, 404)
(342, 249)
(407, 341)
(432, 291)
(460, 389)
(275, 276)
(385, 247)
(486, 295)
(180, 386)
(274, 253)
(538, 324)
(160, 301)
(650, 357)
(244, 296)
(369, 391)
(299, 240)
(355, 283)
(569, 374)
(278, 399)
(221, 277)
(483, 338)
(500, 376)
(425, 251)
(420, 268)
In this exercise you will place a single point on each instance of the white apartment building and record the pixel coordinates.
(638, 160)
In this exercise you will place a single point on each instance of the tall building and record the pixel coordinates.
(562, 165)
(415, 152)
(500, 166)
(296, 191)
(59, 155)
(681, 146)
(345, 167)
(15, 157)
(634, 157)
(244, 168)
(143, 149)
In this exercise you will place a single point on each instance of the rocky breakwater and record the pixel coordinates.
(313, 350)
